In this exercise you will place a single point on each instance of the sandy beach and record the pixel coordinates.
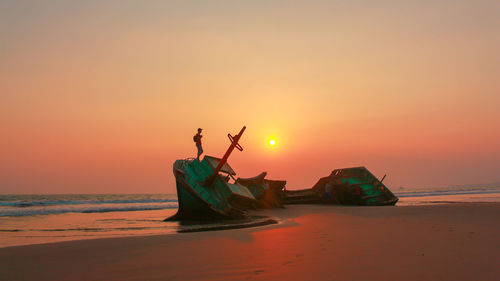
(435, 242)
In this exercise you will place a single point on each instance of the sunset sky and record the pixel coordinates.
(103, 96)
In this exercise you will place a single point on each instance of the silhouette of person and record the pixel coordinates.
(197, 140)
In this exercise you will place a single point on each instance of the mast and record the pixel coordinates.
(234, 143)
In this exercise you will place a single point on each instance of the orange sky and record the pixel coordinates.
(103, 97)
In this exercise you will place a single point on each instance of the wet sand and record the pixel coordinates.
(435, 242)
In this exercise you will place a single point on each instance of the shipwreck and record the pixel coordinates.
(209, 189)
(349, 186)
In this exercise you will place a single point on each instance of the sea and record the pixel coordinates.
(35, 219)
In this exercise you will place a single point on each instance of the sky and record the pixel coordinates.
(103, 96)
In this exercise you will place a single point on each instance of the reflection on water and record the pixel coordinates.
(25, 230)
(36, 229)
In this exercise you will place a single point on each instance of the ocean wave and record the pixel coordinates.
(444, 192)
(24, 204)
(31, 211)
(84, 229)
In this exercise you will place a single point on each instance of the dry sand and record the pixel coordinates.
(441, 242)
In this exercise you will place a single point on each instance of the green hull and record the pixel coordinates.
(367, 189)
(350, 186)
(217, 199)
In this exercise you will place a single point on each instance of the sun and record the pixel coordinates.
(272, 142)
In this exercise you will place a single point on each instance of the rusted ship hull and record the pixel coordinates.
(268, 193)
(349, 186)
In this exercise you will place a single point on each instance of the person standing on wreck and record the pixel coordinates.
(197, 140)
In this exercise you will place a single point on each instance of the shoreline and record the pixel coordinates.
(266, 217)
(429, 242)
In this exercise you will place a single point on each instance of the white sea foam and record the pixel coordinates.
(69, 202)
(30, 211)
(29, 205)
